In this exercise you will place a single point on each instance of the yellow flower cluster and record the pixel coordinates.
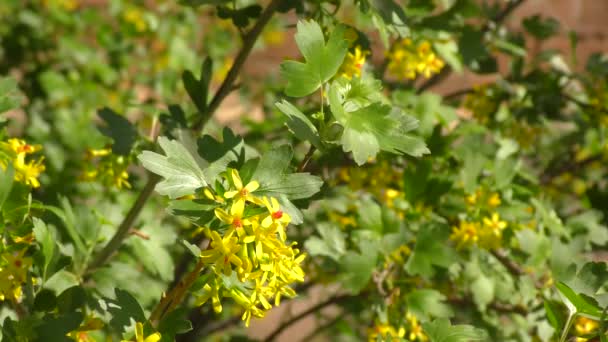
(481, 103)
(382, 179)
(110, 169)
(15, 152)
(408, 60)
(250, 243)
(135, 17)
(353, 63)
(13, 273)
(483, 226)
(410, 331)
(585, 326)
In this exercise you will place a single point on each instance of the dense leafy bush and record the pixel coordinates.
(129, 213)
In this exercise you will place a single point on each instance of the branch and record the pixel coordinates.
(499, 18)
(572, 167)
(248, 41)
(176, 295)
(303, 314)
(307, 158)
(509, 264)
(496, 306)
(123, 230)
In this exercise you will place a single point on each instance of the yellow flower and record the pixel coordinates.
(275, 218)
(585, 326)
(386, 332)
(140, 337)
(223, 250)
(466, 234)
(135, 17)
(212, 292)
(414, 329)
(428, 62)
(110, 169)
(242, 193)
(13, 273)
(494, 223)
(407, 61)
(494, 200)
(25, 172)
(353, 63)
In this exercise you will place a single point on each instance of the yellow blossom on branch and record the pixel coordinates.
(108, 168)
(251, 249)
(14, 267)
(353, 63)
(26, 172)
(408, 60)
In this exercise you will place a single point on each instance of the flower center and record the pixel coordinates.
(277, 215)
(237, 223)
(18, 263)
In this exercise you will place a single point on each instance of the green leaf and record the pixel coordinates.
(392, 14)
(426, 303)
(541, 28)
(590, 279)
(275, 180)
(196, 252)
(55, 328)
(123, 308)
(322, 59)
(198, 89)
(153, 252)
(47, 242)
(220, 155)
(61, 281)
(577, 303)
(375, 127)
(555, 316)
(299, 124)
(173, 324)
(473, 165)
(71, 299)
(45, 300)
(10, 98)
(483, 290)
(431, 250)
(441, 330)
(358, 269)
(331, 244)
(7, 177)
(119, 129)
(182, 173)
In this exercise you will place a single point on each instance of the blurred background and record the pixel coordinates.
(72, 57)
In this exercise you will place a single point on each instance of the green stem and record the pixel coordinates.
(123, 230)
(227, 86)
(567, 327)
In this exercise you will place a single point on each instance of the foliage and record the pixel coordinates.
(131, 210)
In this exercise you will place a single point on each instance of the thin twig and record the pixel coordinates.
(509, 264)
(123, 230)
(248, 41)
(171, 300)
(572, 167)
(303, 314)
(307, 158)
